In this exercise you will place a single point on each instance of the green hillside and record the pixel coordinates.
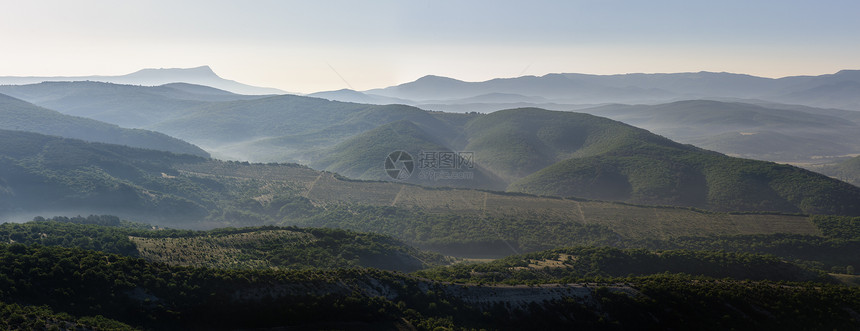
(19, 115)
(517, 142)
(653, 174)
(362, 157)
(578, 155)
(521, 150)
(286, 128)
(507, 145)
(310, 146)
(43, 175)
(49, 173)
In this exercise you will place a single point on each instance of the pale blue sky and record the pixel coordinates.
(294, 45)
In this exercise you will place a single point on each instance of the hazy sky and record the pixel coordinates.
(306, 46)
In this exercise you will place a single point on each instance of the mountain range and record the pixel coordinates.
(839, 90)
(602, 215)
(154, 77)
(512, 149)
(601, 159)
(709, 110)
(775, 132)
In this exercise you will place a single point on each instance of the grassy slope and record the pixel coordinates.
(16, 114)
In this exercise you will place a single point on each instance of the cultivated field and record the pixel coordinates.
(630, 221)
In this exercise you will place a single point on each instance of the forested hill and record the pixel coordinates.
(48, 173)
(44, 175)
(46, 286)
(268, 247)
(19, 115)
(525, 150)
(542, 152)
(571, 154)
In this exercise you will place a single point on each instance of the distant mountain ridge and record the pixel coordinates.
(508, 145)
(203, 75)
(758, 131)
(124, 105)
(839, 90)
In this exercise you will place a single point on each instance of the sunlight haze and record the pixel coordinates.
(308, 46)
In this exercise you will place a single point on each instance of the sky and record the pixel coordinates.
(309, 46)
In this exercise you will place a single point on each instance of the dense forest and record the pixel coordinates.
(58, 287)
(266, 247)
